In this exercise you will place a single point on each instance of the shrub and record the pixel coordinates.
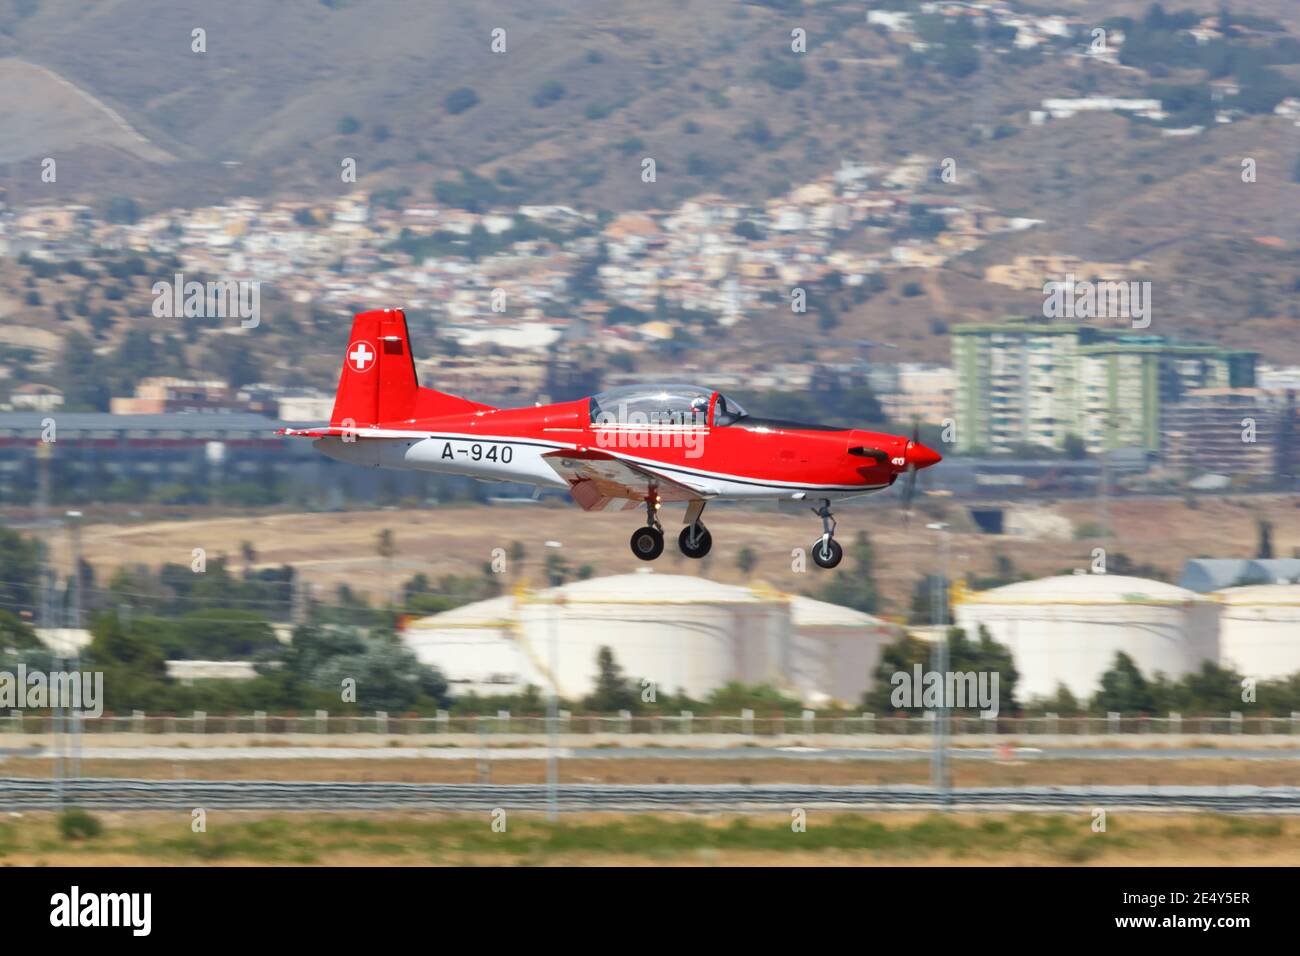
(460, 99)
(551, 91)
(78, 824)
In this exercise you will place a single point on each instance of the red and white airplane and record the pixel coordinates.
(630, 446)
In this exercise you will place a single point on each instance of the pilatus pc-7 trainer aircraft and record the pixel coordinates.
(635, 445)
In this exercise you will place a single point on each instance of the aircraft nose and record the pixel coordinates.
(921, 456)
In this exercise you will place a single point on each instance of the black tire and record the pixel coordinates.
(703, 542)
(647, 543)
(831, 556)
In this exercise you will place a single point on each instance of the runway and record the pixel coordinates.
(865, 754)
(17, 795)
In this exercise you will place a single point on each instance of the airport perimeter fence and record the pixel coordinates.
(745, 725)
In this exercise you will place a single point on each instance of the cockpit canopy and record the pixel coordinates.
(664, 404)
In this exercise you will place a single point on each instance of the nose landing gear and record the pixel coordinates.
(826, 551)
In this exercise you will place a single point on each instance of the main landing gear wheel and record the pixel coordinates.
(827, 552)
(695, 541)
(647, 543)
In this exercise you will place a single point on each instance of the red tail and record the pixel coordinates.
(378, 384)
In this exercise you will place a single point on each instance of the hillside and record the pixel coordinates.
(584, 91)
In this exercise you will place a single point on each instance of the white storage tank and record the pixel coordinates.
(1068, 629)
(835, 650)
(1259, 629)
(681, 632)
(475, 647)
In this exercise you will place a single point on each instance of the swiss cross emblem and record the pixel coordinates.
(361, 356)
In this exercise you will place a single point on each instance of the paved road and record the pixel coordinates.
(190, 754)
(111, 794)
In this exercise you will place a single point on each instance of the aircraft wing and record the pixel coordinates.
(598, 479)
(328, 431)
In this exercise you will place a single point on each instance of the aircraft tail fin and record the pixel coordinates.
(378, 382)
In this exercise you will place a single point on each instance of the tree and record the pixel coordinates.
(922, 609)
(386, 548)
(135, 672)
(310, 671)
(783, 72)
(217, 634)
(20, 559)
(1211, 690)
(1264, 549)
(556, 568)
(460, 99)
(122, 209)
(517, 554)
(16, 634)
(1062, 702)
(82, 376)
(613, 691)
(387, 673)
(1123, 689)
(550, 91)
(734, 696)
(856, 588)
(983, 655)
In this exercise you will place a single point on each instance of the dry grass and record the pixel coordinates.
(831, 839)
(1200, 772)
(335, 549)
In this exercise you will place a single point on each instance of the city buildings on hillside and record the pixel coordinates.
(915, 392)
(157, 396)
(35, 397)
(1231, 431)
(1034, 383)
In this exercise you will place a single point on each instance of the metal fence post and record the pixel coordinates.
(747, 722)
(809, 716)
(200, 722)
(687, 717)
(322, 721)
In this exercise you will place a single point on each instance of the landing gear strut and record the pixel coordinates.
(648, 542)
(826, 551)
(695, 540)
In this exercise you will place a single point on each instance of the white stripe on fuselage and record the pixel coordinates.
(527, 466)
